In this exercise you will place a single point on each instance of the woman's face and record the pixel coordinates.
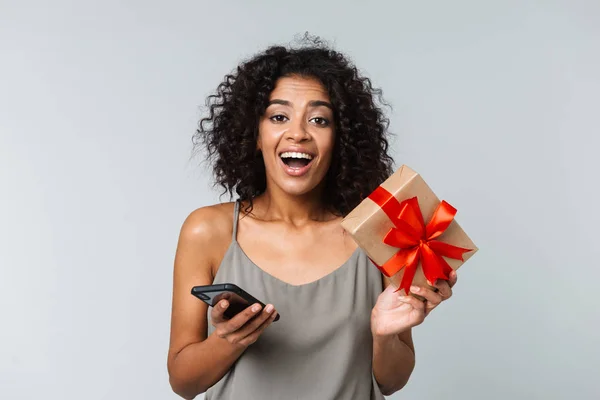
(296, 135)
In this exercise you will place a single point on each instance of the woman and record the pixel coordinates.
(296, 133)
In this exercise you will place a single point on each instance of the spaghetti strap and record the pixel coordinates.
(236, 215)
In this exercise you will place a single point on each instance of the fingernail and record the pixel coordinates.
(255, 308)
(224, 304)
(415, 289)
(269, 308)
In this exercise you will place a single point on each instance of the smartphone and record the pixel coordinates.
(237, 297)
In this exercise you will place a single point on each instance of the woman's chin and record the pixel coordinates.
(298, 189)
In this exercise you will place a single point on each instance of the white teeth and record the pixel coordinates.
(293, 154)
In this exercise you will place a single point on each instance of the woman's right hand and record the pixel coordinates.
(244, 328)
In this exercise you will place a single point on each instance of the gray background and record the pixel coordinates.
(494, 103)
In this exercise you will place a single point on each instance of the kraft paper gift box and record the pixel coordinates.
(408, 233)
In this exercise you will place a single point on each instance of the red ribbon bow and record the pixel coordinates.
(416, 240)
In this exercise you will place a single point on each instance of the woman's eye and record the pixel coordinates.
(278, 118)
(320, 121)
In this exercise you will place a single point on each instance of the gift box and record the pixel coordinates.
(408, 233)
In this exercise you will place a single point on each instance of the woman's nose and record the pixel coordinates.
(298, 132)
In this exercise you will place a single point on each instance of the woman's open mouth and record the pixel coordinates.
(296, 163)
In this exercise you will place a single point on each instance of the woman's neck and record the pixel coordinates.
(296, 210)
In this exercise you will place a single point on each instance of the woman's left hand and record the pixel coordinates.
(394, 313)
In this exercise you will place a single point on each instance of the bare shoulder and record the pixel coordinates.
(209, 222)
(208, 230)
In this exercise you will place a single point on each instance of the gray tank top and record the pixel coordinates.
(321, 347)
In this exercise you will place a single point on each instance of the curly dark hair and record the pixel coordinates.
(229, 133)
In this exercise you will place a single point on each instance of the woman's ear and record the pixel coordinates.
(258, 144)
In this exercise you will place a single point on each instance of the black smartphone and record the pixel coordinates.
(237, 297)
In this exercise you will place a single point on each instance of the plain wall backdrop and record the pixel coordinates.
(495, 103)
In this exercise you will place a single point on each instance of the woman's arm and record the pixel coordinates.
(392, 320)
(199, 365)
(196, 362)
(393, 358)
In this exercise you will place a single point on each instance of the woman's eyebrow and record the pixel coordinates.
(319, 103)
(279, 101)
(313, 103)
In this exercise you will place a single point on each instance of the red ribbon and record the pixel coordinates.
(416, 240)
